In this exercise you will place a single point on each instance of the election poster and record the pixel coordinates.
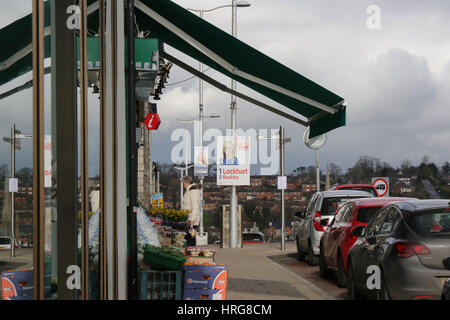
(201, 161)
(233, 161)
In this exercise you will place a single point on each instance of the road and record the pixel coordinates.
(301, 268)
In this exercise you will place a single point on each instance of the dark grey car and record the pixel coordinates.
(407, 242)
(446, 289)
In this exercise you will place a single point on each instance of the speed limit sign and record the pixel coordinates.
(382, 186)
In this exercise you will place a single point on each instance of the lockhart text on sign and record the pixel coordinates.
(234, 171)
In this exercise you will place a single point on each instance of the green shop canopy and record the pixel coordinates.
(16, 39)
(210, 45)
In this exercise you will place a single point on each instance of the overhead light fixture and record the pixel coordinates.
(243, 4)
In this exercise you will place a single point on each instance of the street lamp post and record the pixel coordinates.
(282, 141)
(14, 140)
(233, 205)
(185, 144)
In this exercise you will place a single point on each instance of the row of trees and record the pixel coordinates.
(367, 167)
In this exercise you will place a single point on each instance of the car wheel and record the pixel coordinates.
(352, 291)
(341, 277)
(382, 293)
(313, 260)
(300, 254)
(324, 272)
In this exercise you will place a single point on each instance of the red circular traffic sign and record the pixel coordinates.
(382, 187)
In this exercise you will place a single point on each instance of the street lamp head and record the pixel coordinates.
(243, 4)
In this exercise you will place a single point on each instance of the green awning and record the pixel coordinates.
(16, 40)
(185, 31)
(203, 41)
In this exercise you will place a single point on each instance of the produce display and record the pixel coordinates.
(200, 252)
(169, 215)
(165, 258)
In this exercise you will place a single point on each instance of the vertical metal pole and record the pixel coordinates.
(317, 170)
(233, 202)
(13, 175)
(84, 177)
(132, 145)
(200, 90)
(185, 150)
(181, 188)
(151, 169)
(157, 187)
(282, 190)
(38, 149)
(103, 132)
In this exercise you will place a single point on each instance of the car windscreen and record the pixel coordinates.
(330, 206)
(430, 224)
(252, 237)
(366, 214)
(5, 241)
(366, 189)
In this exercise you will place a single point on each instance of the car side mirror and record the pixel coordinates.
(358, 231)
(371, 240)
(446, 263)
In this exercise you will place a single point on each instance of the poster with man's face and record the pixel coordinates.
(233, 160)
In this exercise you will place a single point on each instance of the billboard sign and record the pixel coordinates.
(201, 161)
(233, 161)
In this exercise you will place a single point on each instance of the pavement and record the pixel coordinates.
(23, 259)
(253, 276)
(253, 273)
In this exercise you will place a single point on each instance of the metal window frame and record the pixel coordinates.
(84, 174)
(38, 149)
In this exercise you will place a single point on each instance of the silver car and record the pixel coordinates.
(407, 242)
(310, 225)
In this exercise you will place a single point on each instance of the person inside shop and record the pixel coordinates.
(191, 202)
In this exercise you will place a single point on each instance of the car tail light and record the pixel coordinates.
(351, 236)
(423, 297)
(317, 224)
(406, 250)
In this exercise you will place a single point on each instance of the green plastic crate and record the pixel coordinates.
(162, 260)
(160, 285)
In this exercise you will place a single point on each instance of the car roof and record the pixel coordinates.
(422, 205)
(352, 185)
(344, 193)
(375, 202)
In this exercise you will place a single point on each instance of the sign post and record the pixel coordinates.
(315, 144)
(282, 180)
(14, 140)
(233, 169)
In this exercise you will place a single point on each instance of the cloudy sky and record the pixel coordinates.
(395, 79)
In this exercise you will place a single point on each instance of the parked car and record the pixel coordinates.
(446, 289)
(408, 242)
(252, 238)
(361, 187)
(311, 223)
(5, 243)
(337, 239)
